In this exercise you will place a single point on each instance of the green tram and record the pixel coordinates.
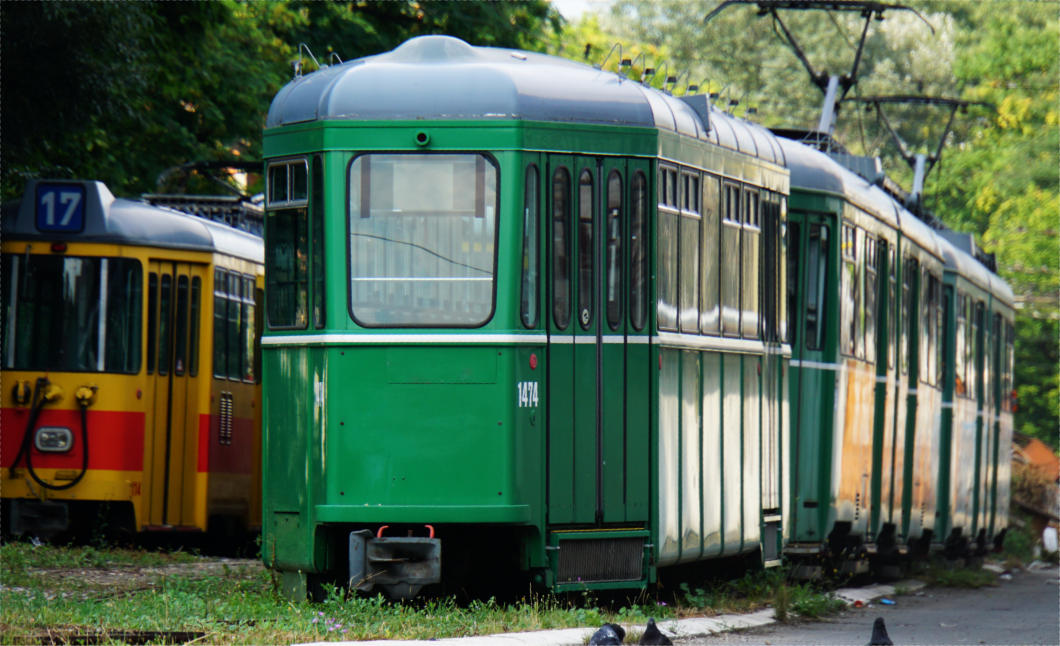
(523, 315)
(887, 463)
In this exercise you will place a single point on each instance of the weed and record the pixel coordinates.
(962, 578)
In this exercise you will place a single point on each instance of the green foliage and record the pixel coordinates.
(191, 81)
(998, 175)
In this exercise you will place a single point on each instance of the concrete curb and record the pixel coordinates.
(676, 629)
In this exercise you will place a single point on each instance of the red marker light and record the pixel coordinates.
(59, 247)
(533, 362)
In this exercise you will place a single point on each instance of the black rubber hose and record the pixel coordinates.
(34, 412)
(84, 456)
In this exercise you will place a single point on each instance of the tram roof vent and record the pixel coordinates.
(700, 104)
(868, 168)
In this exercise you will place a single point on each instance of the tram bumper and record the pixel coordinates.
(400, 565)
(41, 518)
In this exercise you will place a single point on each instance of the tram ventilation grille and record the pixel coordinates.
(224, 431)
(601, 559)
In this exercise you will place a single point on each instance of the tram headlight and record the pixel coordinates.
(53, 439)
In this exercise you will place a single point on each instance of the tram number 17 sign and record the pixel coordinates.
(60, 208)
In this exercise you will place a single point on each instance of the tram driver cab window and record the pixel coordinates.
(287, 245)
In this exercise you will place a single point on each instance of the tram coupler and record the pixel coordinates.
(400, 565)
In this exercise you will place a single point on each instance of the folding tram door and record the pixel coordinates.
(174, 321)
(598, 383)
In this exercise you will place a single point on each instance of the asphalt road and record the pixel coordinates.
(1023, 610)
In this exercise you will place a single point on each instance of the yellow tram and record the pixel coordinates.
(131, 389)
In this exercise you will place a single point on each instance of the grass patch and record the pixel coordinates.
(758, 590)
(113, 593)
(959, 578)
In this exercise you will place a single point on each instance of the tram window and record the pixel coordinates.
(750, 258)
(286, 270)
(561, 212)
(247, 328)
(152, 321)
(816, 285)
(638, 251)
(960, 341)
(220, 325)
(234, 347)
(613, 296)
(892, 307)
(929, 327)
(771, 270)
(72, 313)
(165, 318)
(193, 331)
(709, 306)
(423, 230)
(586, 248)
(666, 255)
(688, 261)
(531, 213)
(180, 329)
(849, 305)
(288, 183)
(871, 297)
(730, 262)
(316, 215)
(792, 239)
(1010, 358)
(907, 326)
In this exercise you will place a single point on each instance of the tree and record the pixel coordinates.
(178, 82)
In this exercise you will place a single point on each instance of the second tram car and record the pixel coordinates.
(131, 381)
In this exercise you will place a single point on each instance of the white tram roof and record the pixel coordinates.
(123, 221)
(445, 78)
(961, 263)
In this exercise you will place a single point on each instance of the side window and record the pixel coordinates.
(709, 304)
(870, 313)
(849, 305)
(960, 343)
(586, 248)
(792, 240)
(907, 326)
(247, 327)
(235, 318)
(561, 208)
(180, 340)
(529, 283)
(772, 267)
(730, 269)
(152, 321)
(220, 323)
(666, 257)
(317, 225)
(689, 253)
(892, 306)
(287, 245)
(750, 261)
(193, 335)
(165, 319)
(613, 258)
(638, 253)
(816, 286)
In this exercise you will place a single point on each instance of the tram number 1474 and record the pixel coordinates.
(527, 394)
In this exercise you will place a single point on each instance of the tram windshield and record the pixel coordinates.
(422, 239)
(70, 313)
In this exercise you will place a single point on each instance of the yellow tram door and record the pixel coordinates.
(173, 494)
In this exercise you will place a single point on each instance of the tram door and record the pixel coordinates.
(598, 451)
(813, 374)
(174, 299)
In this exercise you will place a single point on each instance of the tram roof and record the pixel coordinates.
(445, 78)
(966, 266)
(123, 221)
(813, 170)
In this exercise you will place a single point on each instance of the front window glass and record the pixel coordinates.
(80, 314)
(422, 239)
